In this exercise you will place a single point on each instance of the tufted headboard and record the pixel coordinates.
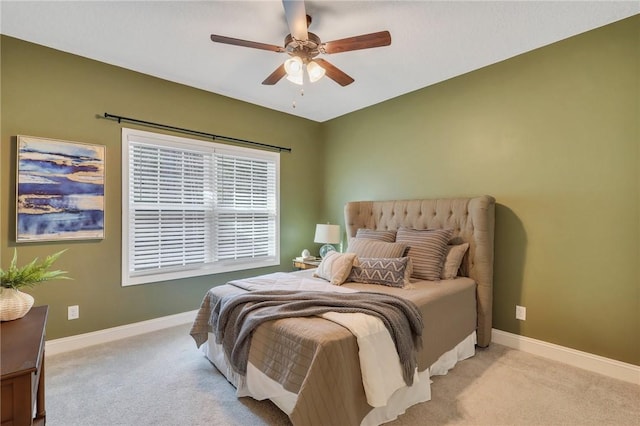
(472, 220)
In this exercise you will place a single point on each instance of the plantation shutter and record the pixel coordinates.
(245, 214)
(194, 208)
(171, 207)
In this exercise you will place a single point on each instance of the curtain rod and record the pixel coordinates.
(194, 132)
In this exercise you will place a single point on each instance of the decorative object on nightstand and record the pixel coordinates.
(15, 304)
(309, 263)
(327, 234)
(305, 255)
(306, 261)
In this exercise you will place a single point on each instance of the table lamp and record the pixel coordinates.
(327, 234)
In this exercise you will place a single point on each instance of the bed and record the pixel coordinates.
(317, 368)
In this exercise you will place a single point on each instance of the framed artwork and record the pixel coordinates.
(59, 190)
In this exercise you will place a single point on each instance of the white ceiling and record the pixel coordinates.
(431, 41)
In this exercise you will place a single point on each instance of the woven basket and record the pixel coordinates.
(14, 304)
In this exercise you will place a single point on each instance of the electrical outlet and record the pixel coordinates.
(521, 313)
(73, 312)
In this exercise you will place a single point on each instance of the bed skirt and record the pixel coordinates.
(261, 387)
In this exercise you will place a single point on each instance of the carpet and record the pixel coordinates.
(160, 378)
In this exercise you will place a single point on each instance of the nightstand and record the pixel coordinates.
(22, 368)
(306, 264)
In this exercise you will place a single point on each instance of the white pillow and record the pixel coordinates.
(335, 267)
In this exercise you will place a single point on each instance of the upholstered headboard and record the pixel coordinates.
(472, 220)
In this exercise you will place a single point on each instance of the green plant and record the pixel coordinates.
(32, 273)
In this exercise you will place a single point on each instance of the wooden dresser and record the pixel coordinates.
(22, 367)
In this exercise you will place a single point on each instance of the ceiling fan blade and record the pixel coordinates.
(296, 15)
(334, 73)
(245, 43)
(275, 76)
(365, 41)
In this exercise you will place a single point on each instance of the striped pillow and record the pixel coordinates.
(427, 250)
(364, 247)
(372, 234)
(389, 272)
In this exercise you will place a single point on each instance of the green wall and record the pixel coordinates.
(52, 94)
(553, 135)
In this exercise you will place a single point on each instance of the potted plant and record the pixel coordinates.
(14, 303)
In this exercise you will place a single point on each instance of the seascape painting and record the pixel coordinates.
(60, 190)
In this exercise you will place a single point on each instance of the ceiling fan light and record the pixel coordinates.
(315, 71)
(297, 79)
(293, 66)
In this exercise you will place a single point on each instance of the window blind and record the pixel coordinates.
(171, 207)
(195, 208)
(245, 216)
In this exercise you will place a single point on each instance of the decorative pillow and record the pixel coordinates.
(335, 267)
(385, 271)
(453, 260)
(427, 250)
(372, 234)
(364, 247)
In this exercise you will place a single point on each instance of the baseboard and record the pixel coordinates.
(595, 363)
(71, 343)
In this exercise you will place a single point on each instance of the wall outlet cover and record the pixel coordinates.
(521, 313)
(73, 312)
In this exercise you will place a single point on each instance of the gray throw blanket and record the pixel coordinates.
(235, 317)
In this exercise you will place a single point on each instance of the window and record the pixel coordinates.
(194, 208)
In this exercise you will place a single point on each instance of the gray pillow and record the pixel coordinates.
(389, 272)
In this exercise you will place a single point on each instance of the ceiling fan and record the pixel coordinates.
(303, 47)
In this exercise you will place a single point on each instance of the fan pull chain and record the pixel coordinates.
(293, 104)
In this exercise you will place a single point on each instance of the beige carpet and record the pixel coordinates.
(161, 378)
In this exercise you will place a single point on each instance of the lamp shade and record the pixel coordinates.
(293, 66)
(327, 234)
(315, 71)
(294, 69)
(297, 79)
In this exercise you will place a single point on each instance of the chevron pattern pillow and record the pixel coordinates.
(391, 272)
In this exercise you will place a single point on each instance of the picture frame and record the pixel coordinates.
(59, 190)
